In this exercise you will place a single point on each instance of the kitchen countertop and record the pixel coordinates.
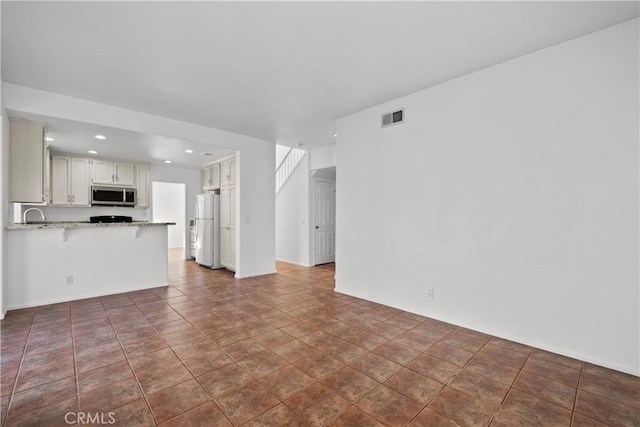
(82, 224)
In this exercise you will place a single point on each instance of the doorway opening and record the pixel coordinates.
(168, 204)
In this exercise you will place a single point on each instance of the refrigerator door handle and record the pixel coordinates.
(195, 214)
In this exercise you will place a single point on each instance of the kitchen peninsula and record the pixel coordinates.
(52, 262)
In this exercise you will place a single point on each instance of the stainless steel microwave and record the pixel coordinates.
(113, 196)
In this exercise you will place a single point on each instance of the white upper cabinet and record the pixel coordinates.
(142, 186)
(124, 173)
(228, 172)
(206, 178)
(28, 162)
(60, 171)
(215, 175)
(211, 177)
(79, 182)
(110, 173)
(228, 213)
(69, 181)
(102, 172)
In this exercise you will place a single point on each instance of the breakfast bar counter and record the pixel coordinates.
(82, 224)
(50, 262)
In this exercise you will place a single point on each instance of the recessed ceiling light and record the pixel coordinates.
(168, 161)
(188, 151)
(48, 138)
(335, 135)
(100, 137)
(93, 152)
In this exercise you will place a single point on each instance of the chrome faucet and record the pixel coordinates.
(24, 215)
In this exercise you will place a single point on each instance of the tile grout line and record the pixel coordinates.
(153, 417)
(179, 358)
(452, 378)
(75, 359)
(575, 400)
(511, 386)
(15, 381)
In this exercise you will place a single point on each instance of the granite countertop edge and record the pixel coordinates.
(82, 224)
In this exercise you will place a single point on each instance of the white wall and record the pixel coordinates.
(169, 206)
(256, 214)
(323, 157)
(293, 216)
(4, 207)
(513, 192)
(255, 163)
(4, 192)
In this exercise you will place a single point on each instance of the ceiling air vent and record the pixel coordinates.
(393, 118)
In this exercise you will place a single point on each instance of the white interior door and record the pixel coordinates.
(324, 207)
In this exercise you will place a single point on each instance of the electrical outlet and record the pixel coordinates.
(69, 280)
(431, 293)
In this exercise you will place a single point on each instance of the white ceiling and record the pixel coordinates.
(279, 71)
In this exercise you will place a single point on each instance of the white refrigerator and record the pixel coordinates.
(207, 230)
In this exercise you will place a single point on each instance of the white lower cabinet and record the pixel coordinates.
(69, 181)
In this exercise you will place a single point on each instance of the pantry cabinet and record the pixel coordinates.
(69, 181)
(228, 227)
(28, 162)
(228, 213)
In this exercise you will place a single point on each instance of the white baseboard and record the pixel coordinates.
(84, 296)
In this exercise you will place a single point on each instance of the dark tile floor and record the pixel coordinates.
(284, 350)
